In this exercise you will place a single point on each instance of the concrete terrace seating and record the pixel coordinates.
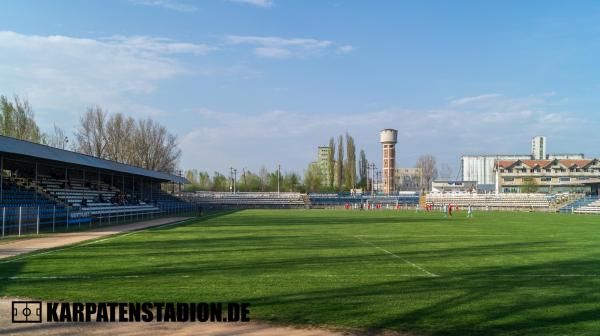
(95, 209)
(167, 202)
(248, 199)
(503, 201)
(335, 199)
(591, 208)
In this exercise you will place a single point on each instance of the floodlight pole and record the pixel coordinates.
(278, 176)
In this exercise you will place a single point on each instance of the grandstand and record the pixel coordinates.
(341, 199)
(590, 205)
(292, 200)
(501, 201)
(44, 189)
(242, 200)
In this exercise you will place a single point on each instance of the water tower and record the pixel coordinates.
(388, 138)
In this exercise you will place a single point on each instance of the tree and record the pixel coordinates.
(331, 163)
(363, 166)
(58, 138)
(154, 147)
(144, 143)
(313, 178)
(427, 165)
(119, 131)
(91, 135)
(339, 178)
(191, 175)
(264, 178)
(530, 185)
(350, 171)
(17, 120)
(290, 182)
(249, 182)
(220, 182)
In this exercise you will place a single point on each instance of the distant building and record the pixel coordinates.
(549, 176)
(408, 179)
(538, 148)
(482, 168)
(323, 163)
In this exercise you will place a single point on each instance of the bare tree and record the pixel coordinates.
(58, 138)
(91, 135)
(119, 131)
(154, 148)
(427, 165)
(145, 144)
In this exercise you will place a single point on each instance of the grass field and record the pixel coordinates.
(498, 273)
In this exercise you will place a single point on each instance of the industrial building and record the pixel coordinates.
(482, 168)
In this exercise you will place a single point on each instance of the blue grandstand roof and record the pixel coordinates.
(26, 148)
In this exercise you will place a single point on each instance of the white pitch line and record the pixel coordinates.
(117, 235)
(397, 256)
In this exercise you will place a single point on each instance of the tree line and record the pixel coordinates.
(246, 180)
(339, 174)
(142, 143)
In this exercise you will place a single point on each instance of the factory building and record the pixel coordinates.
(482, 168)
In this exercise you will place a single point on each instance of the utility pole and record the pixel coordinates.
(234, 180)
(371, 174)
(278, 175)
(244, 177)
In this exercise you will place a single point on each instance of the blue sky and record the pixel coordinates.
(258, 82)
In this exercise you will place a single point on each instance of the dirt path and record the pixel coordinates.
(152, 328)
(15, 247)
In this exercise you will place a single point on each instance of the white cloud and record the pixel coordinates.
(345, 49)
(474, 99)
(67, 74)
(272, 52)
(257, 3)
(291, 138)
(167, 4)
(278, 47)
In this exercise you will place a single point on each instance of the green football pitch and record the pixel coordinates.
(496, 273)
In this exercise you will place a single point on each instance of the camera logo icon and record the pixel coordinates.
(27, 311)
